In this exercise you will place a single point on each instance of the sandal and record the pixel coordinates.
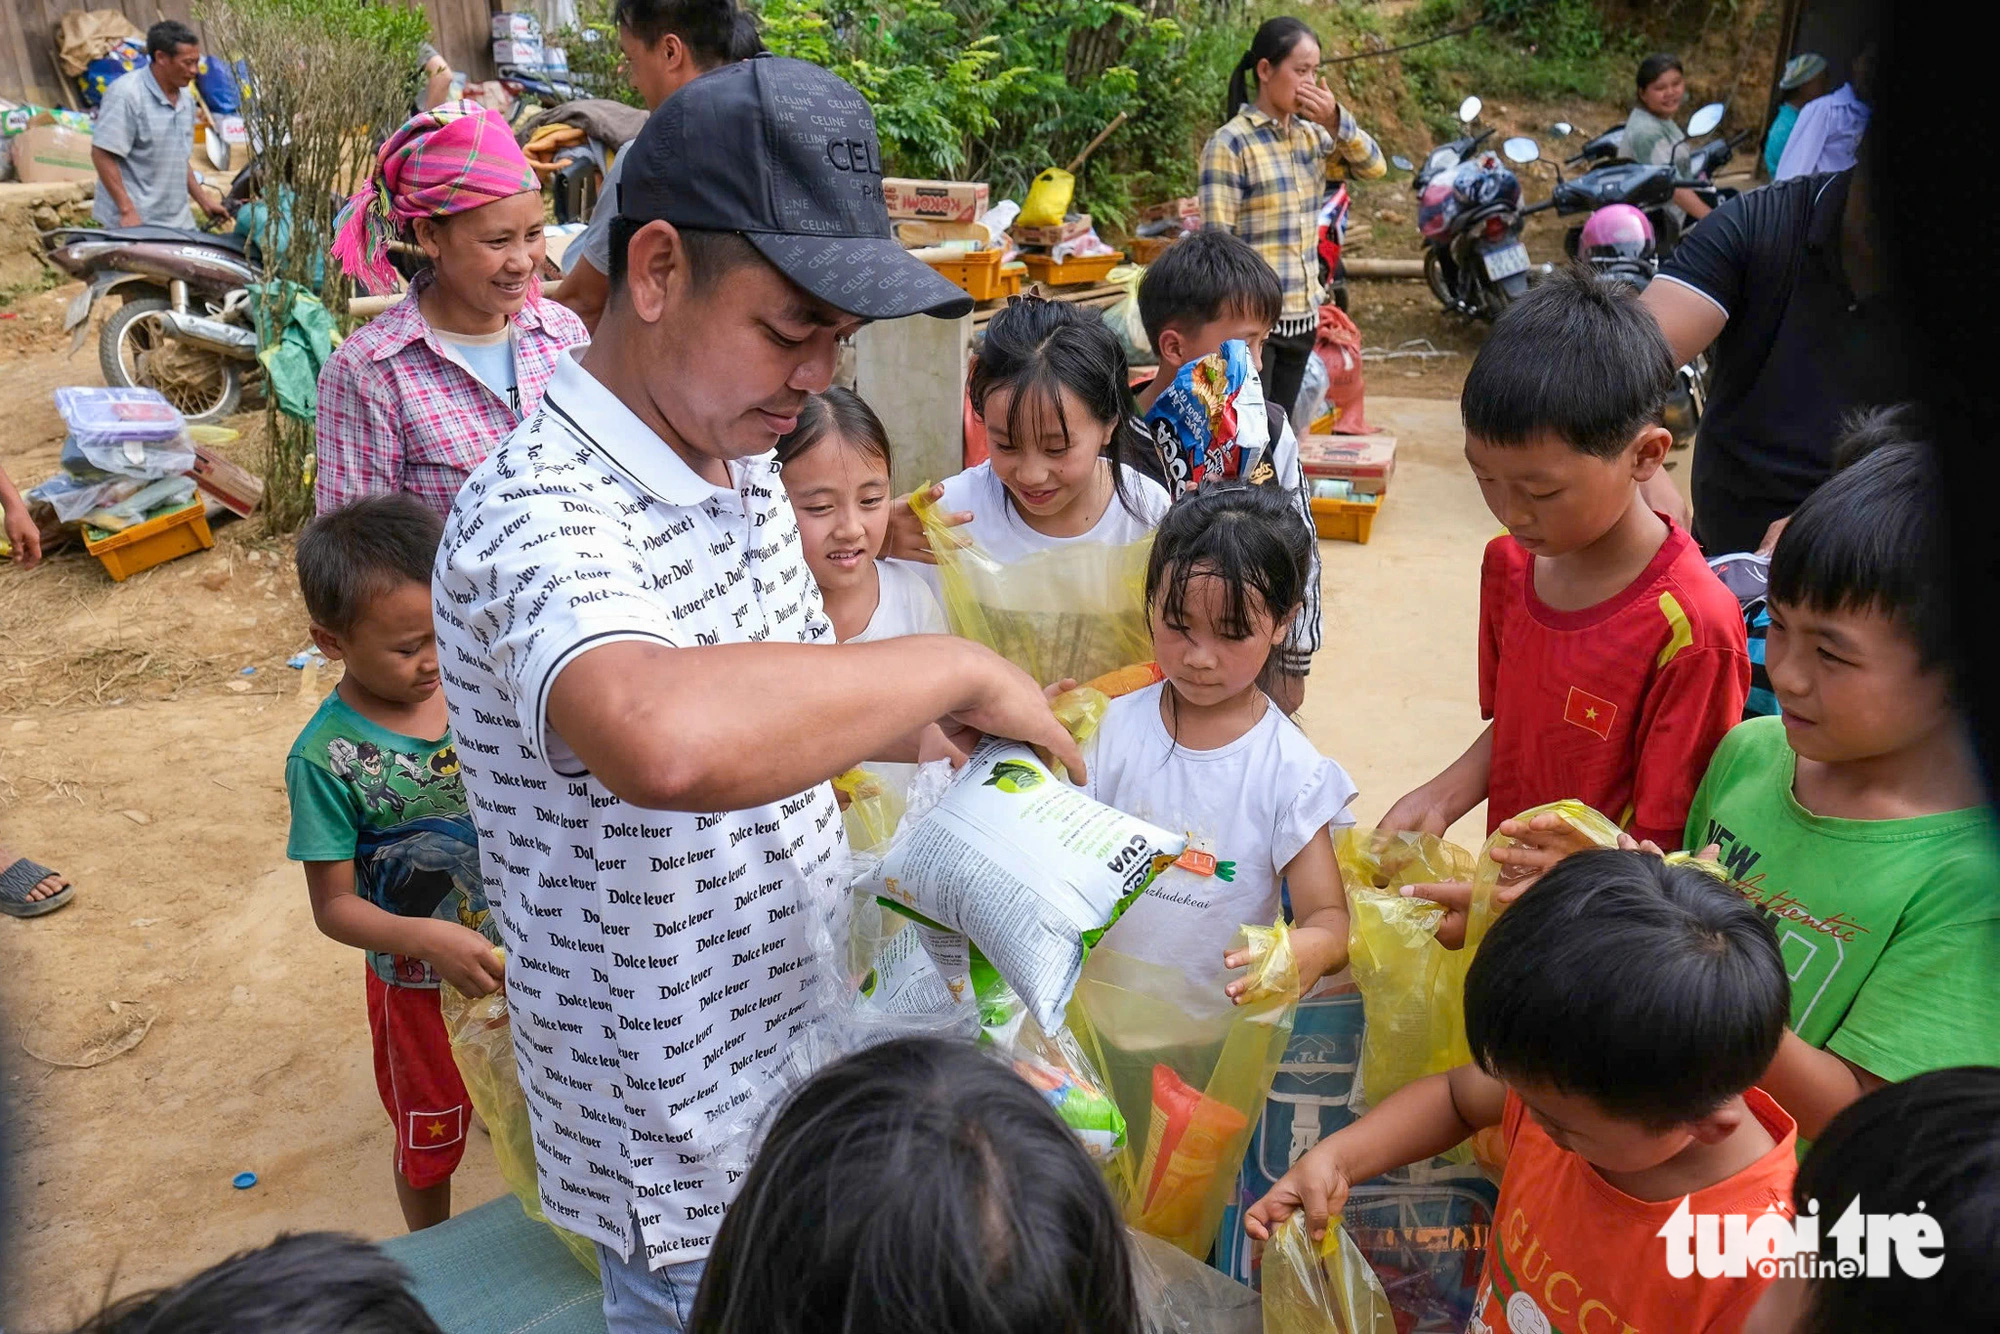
(19, 880)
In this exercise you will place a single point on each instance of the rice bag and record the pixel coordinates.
(1029, 869)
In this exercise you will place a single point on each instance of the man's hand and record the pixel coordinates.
(1316, 1183)
(463, 958)
(1771, 536)
(25, 537)
(906, 540)
(129, 217)
(1010, 704)
(213, 207)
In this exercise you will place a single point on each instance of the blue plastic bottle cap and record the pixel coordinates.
(243, 1180)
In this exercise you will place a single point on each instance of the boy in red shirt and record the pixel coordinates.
(1611, 661)
(1618, 1016)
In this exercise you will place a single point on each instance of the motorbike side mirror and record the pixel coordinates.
(1562, 129)
(1705, 120)
(1521, 150)
(1401, 163)
(1468, 110)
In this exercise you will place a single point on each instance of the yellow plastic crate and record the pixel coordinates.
(1090, 269)
(158, 540)
(1344, 520)
(981, 274)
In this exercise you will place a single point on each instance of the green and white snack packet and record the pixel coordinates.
(1028, 868)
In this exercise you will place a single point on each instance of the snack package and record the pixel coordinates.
(1028, 868)
(1195, 1075)
(1053, 1063)
(1324, 1288)
(482, 1045)
(1412, 988)
(1070, 612)
(1215, 411)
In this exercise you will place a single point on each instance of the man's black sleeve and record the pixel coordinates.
(1716, 257)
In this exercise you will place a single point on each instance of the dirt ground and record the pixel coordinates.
(136, 755)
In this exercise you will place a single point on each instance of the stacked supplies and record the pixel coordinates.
(127, 478)
(126, 458)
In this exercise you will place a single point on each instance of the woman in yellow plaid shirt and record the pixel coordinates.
(1264, 173)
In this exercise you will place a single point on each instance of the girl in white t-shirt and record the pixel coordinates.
(835, 466)
(1207, 752)
(1052, 386)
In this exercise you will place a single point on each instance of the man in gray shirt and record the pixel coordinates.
(667, 44)
(145, 135)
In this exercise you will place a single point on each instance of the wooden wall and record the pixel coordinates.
(460, 28)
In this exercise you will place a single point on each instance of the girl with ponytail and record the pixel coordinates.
(1285, 140)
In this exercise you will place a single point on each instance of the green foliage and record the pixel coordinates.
(596, 61)
(999, 89)
(329, 79)
(1541, 49)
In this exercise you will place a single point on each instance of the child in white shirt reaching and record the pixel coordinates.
(835, 464)
(1206, 751)
(1053, 387)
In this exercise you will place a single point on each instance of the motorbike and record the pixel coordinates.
(1469, 213)
(184, 327)
(1614, 179)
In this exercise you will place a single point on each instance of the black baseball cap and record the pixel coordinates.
(785, 153)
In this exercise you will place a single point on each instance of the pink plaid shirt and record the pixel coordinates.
(396, 414)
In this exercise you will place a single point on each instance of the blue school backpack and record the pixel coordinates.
(1747, 575)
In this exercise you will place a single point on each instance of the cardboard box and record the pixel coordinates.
(522, 52)
(1071, 227)
(512, 26)
(1365, 461)
(917, 234)
(555, 60)
(935, 201)
(1187, 208)
(46, 151)
(235, 488)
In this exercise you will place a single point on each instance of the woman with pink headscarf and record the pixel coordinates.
(415, 398)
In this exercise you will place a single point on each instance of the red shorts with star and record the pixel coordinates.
(419, 1081)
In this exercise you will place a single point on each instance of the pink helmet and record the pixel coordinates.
(1616, 231)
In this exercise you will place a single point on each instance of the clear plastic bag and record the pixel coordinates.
(130, 432)
(1195, 1075)
(72, 497)
(1326, 1288)
(873, 809)
(482, 1044)
(1069, 612)
(1178, 1294)
(1412, 988)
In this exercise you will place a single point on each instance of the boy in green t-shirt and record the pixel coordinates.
(380, 821)
(1857, 820)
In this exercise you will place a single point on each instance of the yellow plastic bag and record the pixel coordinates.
(1194, 1075)
(1412, 988)
(1049, 198)
(482, 1044)
(1323, 1289)
(872, 809)
(1070, 612)
(1593, 825)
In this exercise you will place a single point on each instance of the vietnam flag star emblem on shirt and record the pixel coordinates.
(1589, 712)
(435, 1130)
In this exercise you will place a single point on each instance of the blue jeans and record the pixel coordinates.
(639, 1301)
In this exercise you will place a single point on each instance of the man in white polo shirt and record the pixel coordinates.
(646, 694)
